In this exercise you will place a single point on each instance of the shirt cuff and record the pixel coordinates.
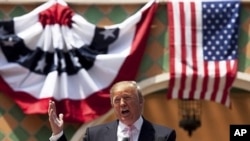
(56, 137)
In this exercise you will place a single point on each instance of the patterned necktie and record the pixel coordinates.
(129, 133)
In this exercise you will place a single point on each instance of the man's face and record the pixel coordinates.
(126, 104)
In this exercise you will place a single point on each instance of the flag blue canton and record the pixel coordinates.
(220, 26)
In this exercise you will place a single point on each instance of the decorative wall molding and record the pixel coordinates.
(161, 81)
(79, 1)
(87, 1)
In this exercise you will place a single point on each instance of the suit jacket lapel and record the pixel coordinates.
(111, 132)
(147, 131)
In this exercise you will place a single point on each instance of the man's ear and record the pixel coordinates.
(141, 102)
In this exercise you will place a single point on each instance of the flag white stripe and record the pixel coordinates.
(222, 84)
(211, 74)
(31, 36)
(177, 46)
(199, 51)
(49, 37)
(80, 36)
(188, 48)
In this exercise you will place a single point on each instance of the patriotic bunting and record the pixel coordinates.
(54, 53)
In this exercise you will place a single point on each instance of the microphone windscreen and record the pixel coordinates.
(125, 139)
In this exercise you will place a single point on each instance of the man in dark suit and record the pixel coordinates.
(127, 101)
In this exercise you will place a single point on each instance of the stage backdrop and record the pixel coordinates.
(16, 126)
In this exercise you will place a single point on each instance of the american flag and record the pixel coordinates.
(203, 46)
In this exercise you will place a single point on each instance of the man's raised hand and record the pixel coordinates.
(56, 122)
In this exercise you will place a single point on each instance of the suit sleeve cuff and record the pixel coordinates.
(56, 137)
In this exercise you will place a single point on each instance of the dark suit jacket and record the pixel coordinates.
(108, 132)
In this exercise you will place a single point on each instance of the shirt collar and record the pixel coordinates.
(137, 124)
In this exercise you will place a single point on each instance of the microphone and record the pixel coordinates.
(125, 139)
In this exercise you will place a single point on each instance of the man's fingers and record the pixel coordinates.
(61, 116)
(52, 106)
(49, 108)
(52, 115)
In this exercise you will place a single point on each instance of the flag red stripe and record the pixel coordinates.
(194, 50)
(205, 81)
(231, 74)
(170, 13)
(216, 81)
(228, 83)
(31, 105)
(183, 50)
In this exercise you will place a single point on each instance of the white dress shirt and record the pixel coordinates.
(120, 134)
(135, 133)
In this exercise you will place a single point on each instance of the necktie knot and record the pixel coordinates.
(128, 131)
(132, 127)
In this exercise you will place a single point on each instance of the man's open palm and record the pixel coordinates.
(56, 122)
